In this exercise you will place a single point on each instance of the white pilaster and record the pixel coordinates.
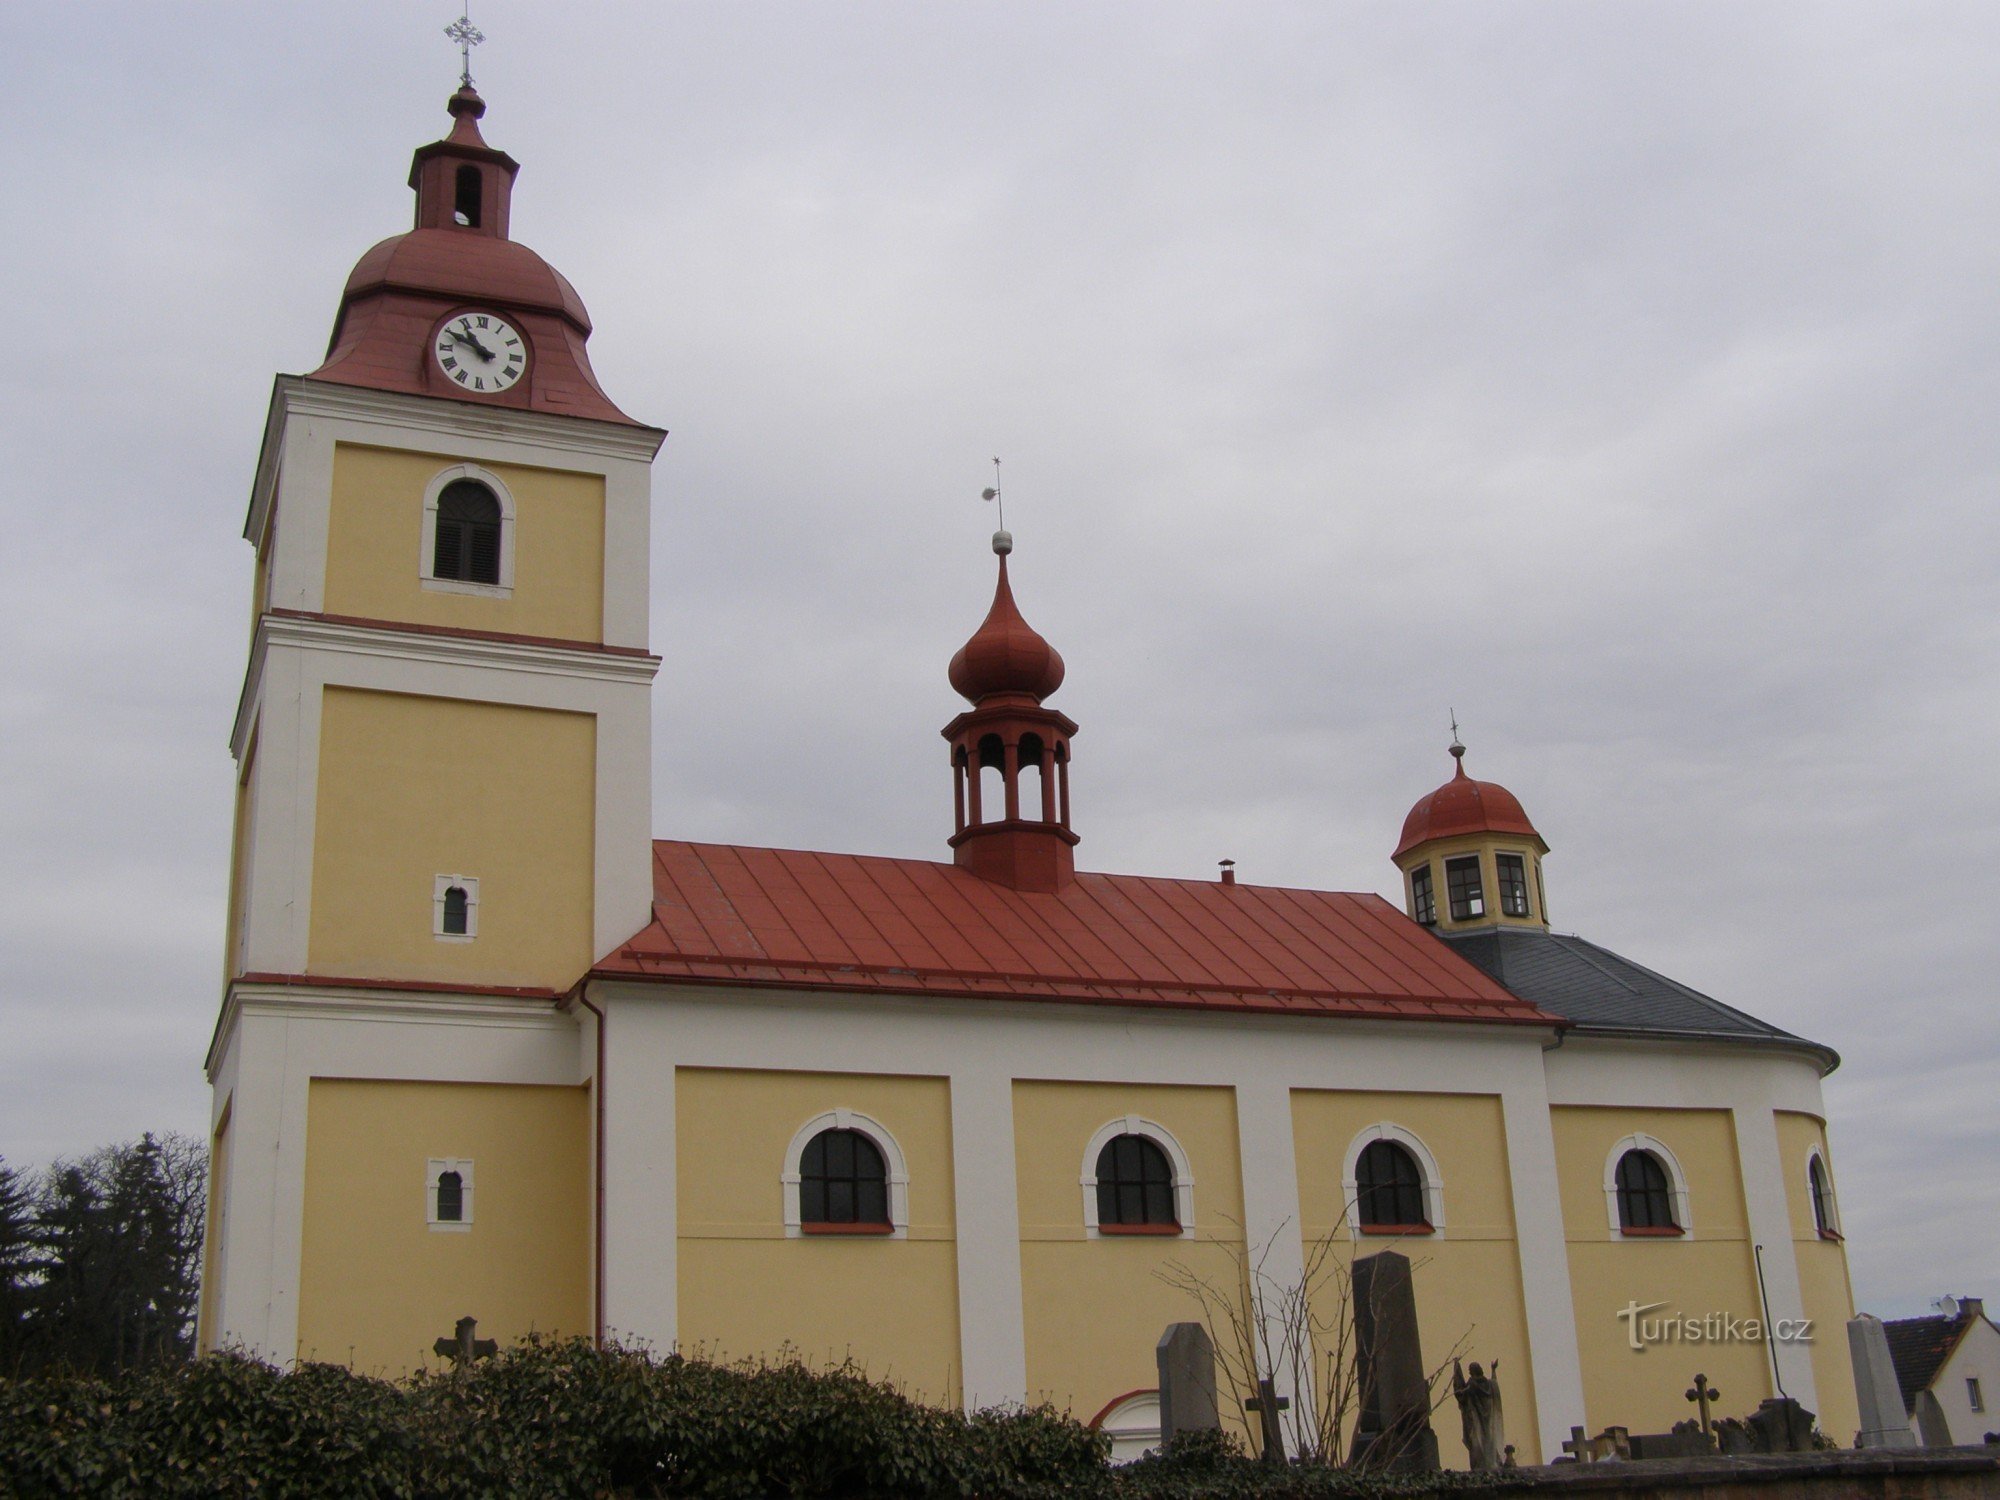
(993, 1354)
(1769, 1210)
(1273, 1238)
(1544, 1253)
(640, 1259)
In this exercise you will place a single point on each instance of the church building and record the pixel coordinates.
(488, 1047)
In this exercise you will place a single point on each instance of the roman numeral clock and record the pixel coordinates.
(480, 351)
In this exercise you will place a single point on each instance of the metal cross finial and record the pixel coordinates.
(467, 36)
(993, 494)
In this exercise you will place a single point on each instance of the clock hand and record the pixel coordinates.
(468, 338)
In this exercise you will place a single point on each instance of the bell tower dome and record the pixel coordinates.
(1470, 858)
(1005, 671)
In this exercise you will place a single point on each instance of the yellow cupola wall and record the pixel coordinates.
(1470, 858)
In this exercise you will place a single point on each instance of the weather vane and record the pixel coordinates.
(467, 36)
(1457, 748)
(992, 492)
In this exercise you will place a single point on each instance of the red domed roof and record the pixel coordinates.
(1463, 805)
(1005, 654)
(466, 268)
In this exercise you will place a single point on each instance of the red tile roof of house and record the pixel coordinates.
(724, 914)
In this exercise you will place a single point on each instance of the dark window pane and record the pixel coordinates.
(1423, 897)
(1468, 900)
(812, 1200)
(1389, 1189)
(454, 910)
(1134, 1183)
(1513, 885)
(451, 1198)
(840, 1200)
(468, 534)
(843, 1180)
(872, 1202)
(1644, 1199)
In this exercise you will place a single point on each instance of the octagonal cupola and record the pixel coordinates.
(1470, 857)
(1009, 754)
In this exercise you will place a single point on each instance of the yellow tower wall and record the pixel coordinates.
(747, 1291)
(1094, 1309)
(1823, 1281)
(376, 1283)
(412, 788)
(1711, 1271)
(375, 545)
(1467, 1278)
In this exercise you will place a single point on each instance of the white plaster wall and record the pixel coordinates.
(1977, 1357)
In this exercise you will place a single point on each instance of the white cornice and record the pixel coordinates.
(432, 421)
(404, 1007)
(424, 646)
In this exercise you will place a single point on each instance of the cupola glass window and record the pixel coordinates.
(1468, 898)
(468, 534)
(1513, 874)
(1423, 897)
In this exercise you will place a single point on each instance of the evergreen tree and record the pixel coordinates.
(17, 1268)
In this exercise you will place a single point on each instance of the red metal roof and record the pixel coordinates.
(724, 914)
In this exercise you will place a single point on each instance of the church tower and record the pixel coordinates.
(1471, 860)
(443, 811)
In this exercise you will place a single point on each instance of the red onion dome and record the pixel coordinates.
(1006, 654)
(1463, 805)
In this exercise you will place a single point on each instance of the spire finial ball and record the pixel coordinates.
(1003, 543)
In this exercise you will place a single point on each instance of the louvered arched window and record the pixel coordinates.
(1389, 1188)
(1645, 1197)
(468, 534)
(1824, 1218)
(843, 1180)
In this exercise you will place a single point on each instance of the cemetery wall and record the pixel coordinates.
(750, 1286)
(1708, 1270)
(371, 1266)
(1467, 1273)
(1093, 1304)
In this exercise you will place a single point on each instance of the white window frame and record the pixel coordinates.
(892, 1159)
(470, 885)
(435, 1168)
(1676, 1184)
(1427, 1167)
(1160, 1136)
(427, 542)
(1814, 1154)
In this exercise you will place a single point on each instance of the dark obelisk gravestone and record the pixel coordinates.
(1393, 1429)
(1187, 1381)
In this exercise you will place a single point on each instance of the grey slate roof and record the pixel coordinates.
(1602, 992)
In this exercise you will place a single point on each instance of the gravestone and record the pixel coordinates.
(1393, 1427)
(1186, 1359)
(1781, 1425)
(1884, 1422)
(1687, 1440)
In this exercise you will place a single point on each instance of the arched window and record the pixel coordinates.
(465, 196)
(1645, 1197)
(448, 1193)
(1825, 1220)
(467, 548)
(454, 910)
(1389, 1189)
(1135, 1185)
(843, 1180)
(451, 1198)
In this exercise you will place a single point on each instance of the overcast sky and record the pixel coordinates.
(1624, 377)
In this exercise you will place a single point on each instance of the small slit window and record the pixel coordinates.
(1135, 1185)
(1824, 1218)
(1423, 896)
(1389, 1189)
(448, 1193)
(465, 197)
(1513, 875)
(453, 920)
(843, 1183)
(468, 534)
(1468, 899)
(1645, 1198)
(451, 1198)
(455, 908)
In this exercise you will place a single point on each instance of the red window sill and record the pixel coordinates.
(847, 1229)
(1832, 1234)
(1657, 1232)
(1168, 1229)
(1397, 1229)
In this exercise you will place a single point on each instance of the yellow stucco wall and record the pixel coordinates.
(1710, 1271)
(1823, 1281)
(376, 1283)
(748, 1291)
(375, 536)
(412, 788)
(1095, 1309)
(214, 1231)
(1468, 1277)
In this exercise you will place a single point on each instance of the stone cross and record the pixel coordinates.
(1267, 1403)
(1577, 1445)
(1705, 1395)
(462, 1348)
(1186, 1360)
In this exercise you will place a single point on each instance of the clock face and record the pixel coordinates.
(481, 352)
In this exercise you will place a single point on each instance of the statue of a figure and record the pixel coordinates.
(1478, 1398)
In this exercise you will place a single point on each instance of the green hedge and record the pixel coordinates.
(567, 1419)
